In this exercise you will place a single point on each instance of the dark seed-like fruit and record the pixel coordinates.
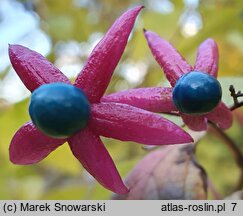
(59, 110)
(197, 93)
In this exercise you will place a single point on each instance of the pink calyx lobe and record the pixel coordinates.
(173, 64)
(207, 57)
(29, 145)
(153, 99)
(127, 123)
(88, 148)
(34, 69)
(96, 74)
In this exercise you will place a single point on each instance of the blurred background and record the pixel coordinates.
(65, 32)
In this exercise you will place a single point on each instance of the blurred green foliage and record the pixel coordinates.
(60, 176)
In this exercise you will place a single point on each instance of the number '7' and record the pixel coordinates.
(234, 205)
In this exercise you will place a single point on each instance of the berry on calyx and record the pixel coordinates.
(59, 110)
(196, 93)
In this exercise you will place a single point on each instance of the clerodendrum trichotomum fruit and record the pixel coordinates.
(196, 93)
(59, 110)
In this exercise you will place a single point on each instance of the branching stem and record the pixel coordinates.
(235, 95)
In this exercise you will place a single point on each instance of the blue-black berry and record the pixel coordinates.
(197, 93)
(59, 110)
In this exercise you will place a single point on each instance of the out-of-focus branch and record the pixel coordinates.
(216, 195)
(234, 150)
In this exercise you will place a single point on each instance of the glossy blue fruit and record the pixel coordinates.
(59, 110)
(197, 93)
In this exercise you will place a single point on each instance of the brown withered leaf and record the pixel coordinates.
(167, 173)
